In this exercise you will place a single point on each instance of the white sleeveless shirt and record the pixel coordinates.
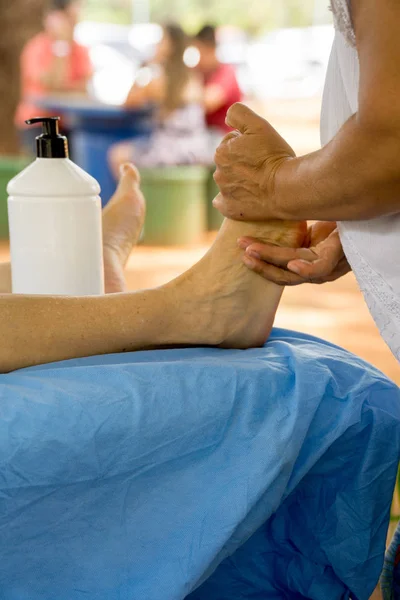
(372, 247)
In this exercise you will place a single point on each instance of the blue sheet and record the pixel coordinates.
(201, 473)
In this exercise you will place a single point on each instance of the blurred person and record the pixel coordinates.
(180, 136)
(221, 87)
(52, 63)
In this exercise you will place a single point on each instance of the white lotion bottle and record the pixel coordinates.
(55, 223)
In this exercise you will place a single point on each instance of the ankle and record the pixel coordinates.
(290, 234)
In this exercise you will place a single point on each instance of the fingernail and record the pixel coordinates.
(253, 254)
(249, 262)
(243, 243)
(123, 169)
(295, 267)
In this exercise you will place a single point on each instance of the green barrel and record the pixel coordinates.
(9, 168)
(176, 204)
(214, 217)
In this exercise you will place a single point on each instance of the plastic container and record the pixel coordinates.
(176, 205)
(214, 217)
(55, 223)
(10, 166)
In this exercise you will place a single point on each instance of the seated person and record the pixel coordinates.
(220, 81)
(52, 63)
(180, 136)
(218, 302)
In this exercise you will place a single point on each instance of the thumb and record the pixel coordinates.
(329, 253)
(245, 120)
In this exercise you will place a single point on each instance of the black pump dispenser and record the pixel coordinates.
(50, 144)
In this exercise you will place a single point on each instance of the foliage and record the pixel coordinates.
(263, 14)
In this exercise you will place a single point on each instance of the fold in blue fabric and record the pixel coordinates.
(201, 473)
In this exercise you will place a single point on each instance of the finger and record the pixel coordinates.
(230, 136)
(341, 271)
(218, 202)
(320, 269)
(245, 120)
(244, 242)
(278, 276)
(331, 248)
(330, 253)
(321, 230)
(221, 151)
(222, 180)
(277, 255)
(226, 208)
(242, 118)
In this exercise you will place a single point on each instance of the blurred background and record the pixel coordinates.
(150, 81)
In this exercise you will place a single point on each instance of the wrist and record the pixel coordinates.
(283, 192)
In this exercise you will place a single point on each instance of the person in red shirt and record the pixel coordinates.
(52, 63)
(221, 85)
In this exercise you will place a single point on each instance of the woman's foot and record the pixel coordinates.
(224, 302)
(123, 219)
(219, 301)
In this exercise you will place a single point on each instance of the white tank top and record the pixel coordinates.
(372, 247)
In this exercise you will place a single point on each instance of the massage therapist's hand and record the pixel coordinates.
(321, 261)
(247, 160)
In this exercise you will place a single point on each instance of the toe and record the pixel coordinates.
(127, 196)
(129, 176)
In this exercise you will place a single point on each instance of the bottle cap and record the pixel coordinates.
(50, 144)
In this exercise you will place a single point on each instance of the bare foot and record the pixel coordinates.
(219, 301)
(227, 304)
(123, 219)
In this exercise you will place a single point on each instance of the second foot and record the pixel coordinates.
(123, 220)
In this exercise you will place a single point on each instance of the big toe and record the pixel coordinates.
(130, 178)
(128, 197)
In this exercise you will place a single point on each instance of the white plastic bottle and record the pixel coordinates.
(55, 223)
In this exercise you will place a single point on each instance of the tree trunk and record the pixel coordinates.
(19, 20)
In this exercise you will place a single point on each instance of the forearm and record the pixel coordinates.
(41, 329)
(356, 176)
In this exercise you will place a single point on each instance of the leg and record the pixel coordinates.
(217, 302)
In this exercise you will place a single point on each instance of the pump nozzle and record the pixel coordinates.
(50, 144)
